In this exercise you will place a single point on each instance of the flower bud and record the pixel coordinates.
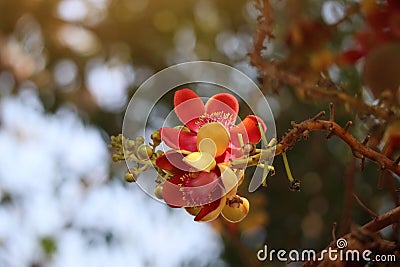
(236, 209)
(139, 141)
(159, 153)
(144, 152)
(128, 144)
(158, 191)
(131, 176)
(156, 137)
(116, 157)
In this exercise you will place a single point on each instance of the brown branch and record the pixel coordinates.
(390, 217)
(311, 89)
(359, 150)
(333, 232)
(377, 224)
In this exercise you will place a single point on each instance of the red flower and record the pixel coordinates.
(222, 108)
(201, 177)
(202, 191)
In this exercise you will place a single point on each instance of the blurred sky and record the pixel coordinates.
(55, 170)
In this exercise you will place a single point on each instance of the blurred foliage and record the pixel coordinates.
(91, 55)
(49, 246)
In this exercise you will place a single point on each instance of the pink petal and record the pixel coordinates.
(179, 139)
(203, 189)
(249, 130)
(189, 190)
(172, 161)
(193, 189)
(207, 209)
(171, 191)
(211, 210)
(188, 107)
(204, 179)
(224, 102)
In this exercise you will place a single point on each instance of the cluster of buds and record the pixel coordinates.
(209, 154)
(143, 156)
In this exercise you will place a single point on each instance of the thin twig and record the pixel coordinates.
(332, 112)
(334, 231)
(348, 124)
(319, 115)
(362, 163)
(366, 140)
(371, 212)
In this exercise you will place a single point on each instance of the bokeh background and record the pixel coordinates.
(67, 71)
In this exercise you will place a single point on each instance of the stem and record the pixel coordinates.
(264, 175)
(241, 142)
(263, 137)
(287, 168)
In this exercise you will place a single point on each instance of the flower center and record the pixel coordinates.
(226, 119)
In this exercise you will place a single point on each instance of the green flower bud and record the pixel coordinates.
(139, 141)
(129, 144)
(131, 176)
(156, 137)
(159, 153)
(144, 152)
(158, 191)
(116, 157)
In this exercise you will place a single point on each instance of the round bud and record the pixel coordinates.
(139, 141)
(144, 152)
(129, 144)
(131, 176)
(159, 153)
(156, 137)
(158, 191)
(116, 157)
(236, 209)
